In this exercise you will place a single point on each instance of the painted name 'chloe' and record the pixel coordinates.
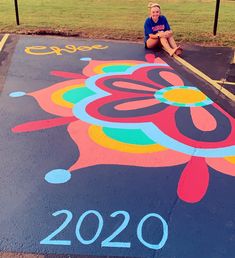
(54, 50)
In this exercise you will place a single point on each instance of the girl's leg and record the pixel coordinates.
(172, 42)
(173, 45)
(167, 47)
(152, 43)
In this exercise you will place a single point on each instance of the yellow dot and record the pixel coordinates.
(185, 96)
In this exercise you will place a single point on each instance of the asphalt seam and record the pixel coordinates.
(205, 77)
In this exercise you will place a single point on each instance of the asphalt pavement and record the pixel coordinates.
(111, 150)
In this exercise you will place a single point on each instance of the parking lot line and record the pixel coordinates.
(3, 41)
(233, 60)
(226, 82)
(205, 77)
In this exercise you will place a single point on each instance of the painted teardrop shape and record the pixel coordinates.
(202, 119)
(172, 78)
(194, 180)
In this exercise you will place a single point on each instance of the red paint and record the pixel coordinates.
(68, 75)
(173, 131)
(94, 107)
(42, 124)
(194, 180)
(139, 76)
(150, 58)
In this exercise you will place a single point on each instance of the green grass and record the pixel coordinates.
(191, 20)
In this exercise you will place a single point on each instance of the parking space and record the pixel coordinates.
(111, 150)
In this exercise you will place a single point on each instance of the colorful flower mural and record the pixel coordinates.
(139, 113)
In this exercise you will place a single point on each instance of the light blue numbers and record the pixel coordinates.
(48, 241)
(165, 232)
(107, 242)
(100, 226)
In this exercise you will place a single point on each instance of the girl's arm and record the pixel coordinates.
(154, 36)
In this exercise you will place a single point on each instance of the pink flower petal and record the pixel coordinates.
(137, 104)
(202, 119)
(224, 165)
(42, 124)
(172, 78)
(43, 97)
(68, 75)
(103, 155)
(133, 86)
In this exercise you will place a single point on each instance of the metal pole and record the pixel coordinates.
(216, 16)
(17, 13)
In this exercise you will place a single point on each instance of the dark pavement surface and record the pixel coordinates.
(123, 199)
(214, 62)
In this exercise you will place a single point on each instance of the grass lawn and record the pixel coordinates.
(191, 20)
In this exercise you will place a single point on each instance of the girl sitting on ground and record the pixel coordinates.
(157, 31)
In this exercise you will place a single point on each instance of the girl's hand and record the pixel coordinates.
(161, 34)
(168, 33)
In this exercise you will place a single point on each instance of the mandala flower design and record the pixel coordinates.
(140, 114)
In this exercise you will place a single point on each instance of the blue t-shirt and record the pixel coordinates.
(150, 27)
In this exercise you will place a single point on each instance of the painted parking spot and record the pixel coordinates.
(112, 151)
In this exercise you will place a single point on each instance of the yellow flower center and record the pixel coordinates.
(186, 96)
